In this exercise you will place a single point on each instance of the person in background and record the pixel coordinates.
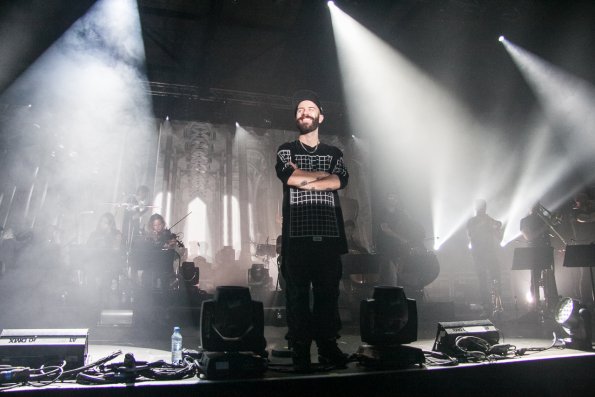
(158, 235)
(135, 207)
(485, 234)
(106, 235)
(536, 232)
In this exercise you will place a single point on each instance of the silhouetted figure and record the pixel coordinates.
(485, 234)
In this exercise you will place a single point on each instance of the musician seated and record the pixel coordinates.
(206, 273)
(584, 208)
(106, 235)
(400, 239)
(228, 271)
(10, 248)
(100, 259)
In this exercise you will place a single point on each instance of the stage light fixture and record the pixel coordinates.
(232, 335)
(575, 319)
(258, 275)
(190, 273)
(259, 281)
(501, 39)
(387, 321)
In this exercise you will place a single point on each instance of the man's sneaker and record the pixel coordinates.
(330, 354)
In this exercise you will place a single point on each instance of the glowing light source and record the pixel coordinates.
(501, 39)
(575, 319)
(330, 3)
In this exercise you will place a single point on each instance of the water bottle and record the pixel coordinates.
(176, 346)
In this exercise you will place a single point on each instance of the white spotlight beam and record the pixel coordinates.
(567, 100)
(568, 103)
(423, 130)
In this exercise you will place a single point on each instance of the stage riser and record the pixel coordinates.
(559, 377)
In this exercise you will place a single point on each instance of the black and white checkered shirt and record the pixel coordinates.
(311, 216)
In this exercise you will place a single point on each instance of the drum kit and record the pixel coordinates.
(266, 250)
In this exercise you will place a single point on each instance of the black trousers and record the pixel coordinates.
(322, 272)
(487, 268)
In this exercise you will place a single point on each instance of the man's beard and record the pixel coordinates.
(305, 129)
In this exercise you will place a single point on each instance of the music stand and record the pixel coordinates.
(533, 258)
(156, 260)
(581, 256)
(156, 264)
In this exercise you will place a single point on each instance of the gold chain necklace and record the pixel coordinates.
(307, 151)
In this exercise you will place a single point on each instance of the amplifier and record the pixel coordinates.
(36, 347)
(448, 332)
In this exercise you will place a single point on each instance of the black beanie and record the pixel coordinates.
(305, 95)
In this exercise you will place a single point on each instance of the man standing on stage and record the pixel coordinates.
(536, 232)
(313, 236)
(485, 235)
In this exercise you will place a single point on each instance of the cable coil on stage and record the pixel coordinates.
(100, 372)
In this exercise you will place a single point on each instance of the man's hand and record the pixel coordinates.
(326, 183)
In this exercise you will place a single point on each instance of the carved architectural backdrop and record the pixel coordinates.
(222, 179)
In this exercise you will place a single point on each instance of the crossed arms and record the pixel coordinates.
(313, 180)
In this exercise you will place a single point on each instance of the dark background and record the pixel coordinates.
(224, 60)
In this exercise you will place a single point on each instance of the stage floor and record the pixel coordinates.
(556, 371)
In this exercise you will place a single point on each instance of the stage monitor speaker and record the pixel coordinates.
(448, 332)
(36, 347)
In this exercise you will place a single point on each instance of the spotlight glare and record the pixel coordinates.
(237, 124)
(501, 39)
(330, 3)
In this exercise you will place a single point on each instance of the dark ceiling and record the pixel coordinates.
(216, 59)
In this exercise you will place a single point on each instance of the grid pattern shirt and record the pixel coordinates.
(311, 215)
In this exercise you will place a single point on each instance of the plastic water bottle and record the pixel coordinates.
(176, 346)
